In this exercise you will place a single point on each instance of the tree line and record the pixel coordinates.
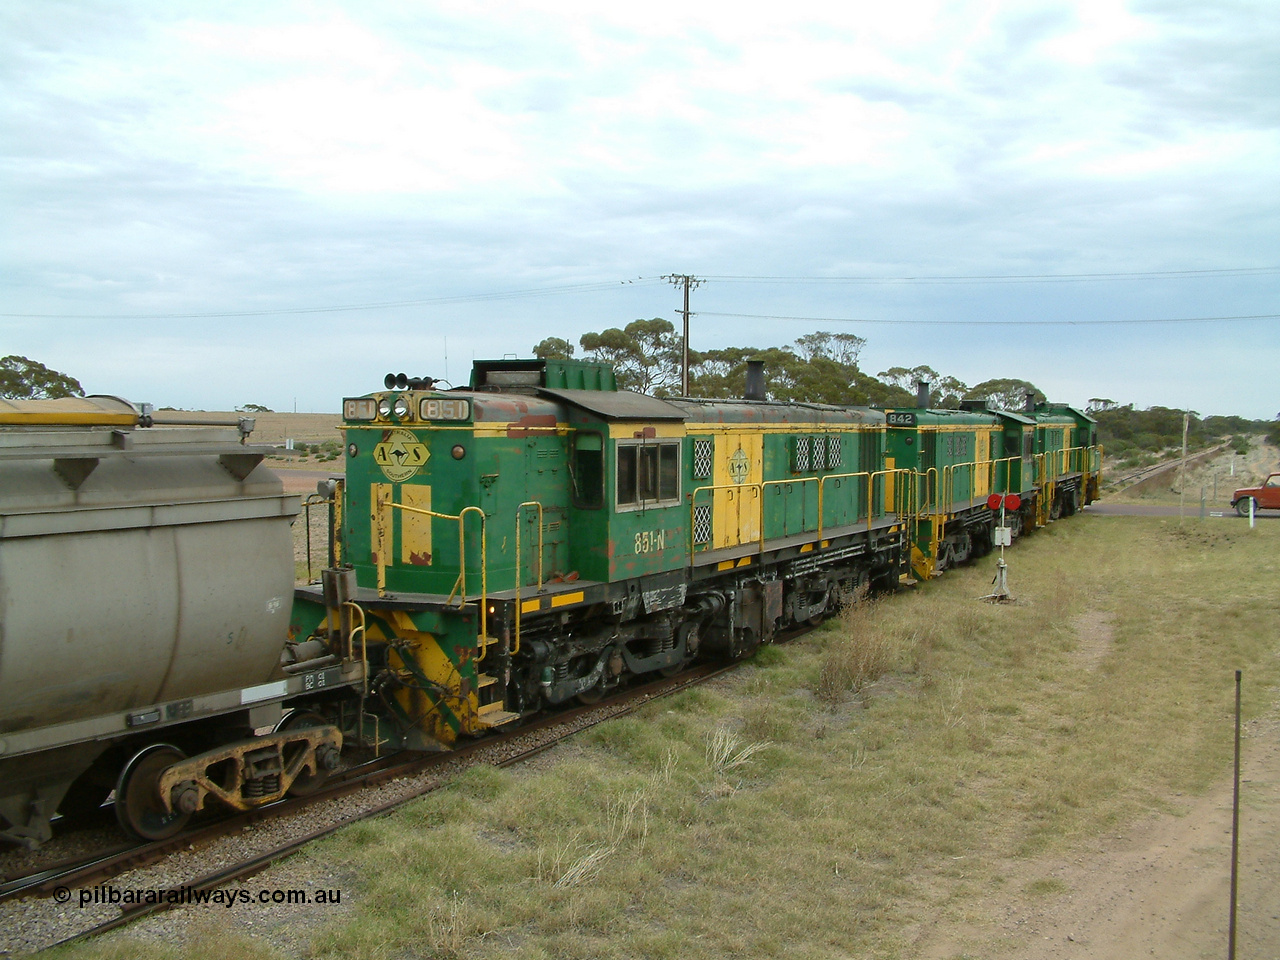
(823, 367)
(818, 367)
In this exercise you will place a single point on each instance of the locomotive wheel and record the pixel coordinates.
(138, 806)
(1242, 506)
(306, 783)
(591, 696)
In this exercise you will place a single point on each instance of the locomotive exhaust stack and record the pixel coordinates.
(755, 389)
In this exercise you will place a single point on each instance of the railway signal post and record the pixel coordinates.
(1003, 538)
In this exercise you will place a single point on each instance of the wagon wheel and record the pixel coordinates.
(138, 806)
(306, 782)
(1242, 506)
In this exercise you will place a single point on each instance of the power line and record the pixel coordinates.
(1014, 278)
(992, 323)
(346, 308)
(601, 286)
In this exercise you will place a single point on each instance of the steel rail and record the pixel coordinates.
(606, 709)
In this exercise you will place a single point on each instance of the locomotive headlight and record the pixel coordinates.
(384, 408)
(400, 408)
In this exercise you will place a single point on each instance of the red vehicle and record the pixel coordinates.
(1265, 497)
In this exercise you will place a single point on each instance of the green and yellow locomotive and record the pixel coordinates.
(964, 464)
(542, 535)
(535, 538)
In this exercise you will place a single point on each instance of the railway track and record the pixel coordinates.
(178, 868)
(1151, 472)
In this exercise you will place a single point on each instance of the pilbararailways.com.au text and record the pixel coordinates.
(105, 894)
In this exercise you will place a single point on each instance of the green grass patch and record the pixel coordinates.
(847, 787)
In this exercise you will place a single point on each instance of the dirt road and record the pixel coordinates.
(1160, 888)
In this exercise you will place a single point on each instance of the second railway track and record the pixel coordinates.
(35, 915)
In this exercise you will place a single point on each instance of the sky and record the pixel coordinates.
(209, 205)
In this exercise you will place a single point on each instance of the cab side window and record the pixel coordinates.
(648, 474)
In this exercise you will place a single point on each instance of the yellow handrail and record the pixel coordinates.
(460, 585)
(901, 476)
(777, 483)
(358, 626)
(731, 488)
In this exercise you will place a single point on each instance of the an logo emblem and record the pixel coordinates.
(739, 467)
(400, 455)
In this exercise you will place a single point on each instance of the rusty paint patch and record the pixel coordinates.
(532, 423)
(420, 559)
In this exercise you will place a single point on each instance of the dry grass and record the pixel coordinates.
(863, 654)
(726, 751)
(979, 737)
(573, 864)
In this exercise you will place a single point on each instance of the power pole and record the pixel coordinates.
(689, 283)
(1182, 471)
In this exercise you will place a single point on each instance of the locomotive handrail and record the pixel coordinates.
(993, 474)
(822, 486)
(902, 476)
(519, 579)
(460, 585)
(930, 491)
(356, 612)
(822, 497)
(788, 481)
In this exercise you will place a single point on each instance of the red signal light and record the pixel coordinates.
(1011, 501)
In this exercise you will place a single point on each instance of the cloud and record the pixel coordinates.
(160, 159)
